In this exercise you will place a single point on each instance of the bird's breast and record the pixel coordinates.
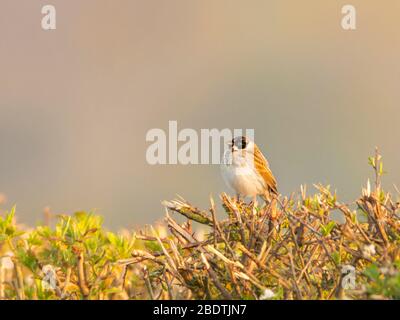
(243, 179)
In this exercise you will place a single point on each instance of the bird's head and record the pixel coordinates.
(242, 143)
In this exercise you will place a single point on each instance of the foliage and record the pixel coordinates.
(297, 247)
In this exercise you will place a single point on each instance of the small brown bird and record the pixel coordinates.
(246, 171)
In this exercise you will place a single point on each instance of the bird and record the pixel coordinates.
(245, 170)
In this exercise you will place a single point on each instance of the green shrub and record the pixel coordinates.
(301, 247)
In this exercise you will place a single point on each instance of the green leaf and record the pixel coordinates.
(372, 272)
(336, 256)
(10, 215)
(326, 229)
(371, 161)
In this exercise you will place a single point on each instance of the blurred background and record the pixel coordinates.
(76, 103)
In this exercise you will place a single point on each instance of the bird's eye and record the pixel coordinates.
(243, 143)
(240, 143)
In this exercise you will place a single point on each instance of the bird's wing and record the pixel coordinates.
(262, 166)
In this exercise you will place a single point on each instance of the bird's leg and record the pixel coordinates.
(237, 197)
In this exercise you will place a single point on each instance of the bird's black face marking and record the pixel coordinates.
(240, 142)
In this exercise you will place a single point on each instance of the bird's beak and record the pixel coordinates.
(231, 146)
